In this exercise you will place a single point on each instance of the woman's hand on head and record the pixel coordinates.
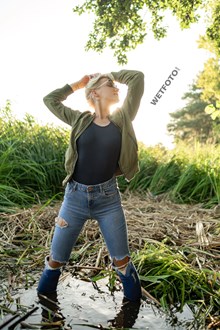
(82, 82)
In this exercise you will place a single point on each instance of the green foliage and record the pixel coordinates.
(31, 160)
(169, 275)
(32, 167)
(209, 80)
(122, 25)
(191, 122)
(186, 174)
(213, 111)
(199, 180)
(213, 29)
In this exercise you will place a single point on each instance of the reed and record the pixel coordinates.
(169, 275)
(32, 167)
(174, 264)
(186, 174)
(31, 162)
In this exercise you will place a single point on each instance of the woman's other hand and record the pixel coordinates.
(82, 82)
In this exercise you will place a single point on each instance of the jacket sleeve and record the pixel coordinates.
(54, 100)
(135, 82)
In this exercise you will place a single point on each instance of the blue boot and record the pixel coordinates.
(48, 281)
(131, 283)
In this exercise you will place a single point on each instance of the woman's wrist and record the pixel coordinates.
(74, 86)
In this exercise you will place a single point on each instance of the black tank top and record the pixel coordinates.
(98, 153)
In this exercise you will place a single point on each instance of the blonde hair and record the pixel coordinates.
(93, 84)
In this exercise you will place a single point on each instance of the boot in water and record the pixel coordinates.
(48, 281)
(131, 282)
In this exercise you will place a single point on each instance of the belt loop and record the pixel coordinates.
(74, 183)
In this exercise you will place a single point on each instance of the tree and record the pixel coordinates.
(122, 25)
(212, 31)
(209, 78)
(191, 122)
(209, 81)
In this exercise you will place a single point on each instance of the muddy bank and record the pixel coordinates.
(25, 240)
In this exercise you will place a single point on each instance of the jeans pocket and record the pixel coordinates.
(110, 191)
(70, 188)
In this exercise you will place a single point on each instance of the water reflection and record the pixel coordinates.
(79, 306)
(127, 316)
(51, 312)
(52, 316)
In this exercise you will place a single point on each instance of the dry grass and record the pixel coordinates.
(25, 239)
(25, 236)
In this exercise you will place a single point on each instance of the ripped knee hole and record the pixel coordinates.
(61, 222)
(122, 264)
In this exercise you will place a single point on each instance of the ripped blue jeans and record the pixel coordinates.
(101, 202)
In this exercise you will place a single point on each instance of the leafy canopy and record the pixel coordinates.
(209, 78)
(213, 29)
(122, 25)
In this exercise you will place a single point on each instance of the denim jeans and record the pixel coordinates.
(101, 202)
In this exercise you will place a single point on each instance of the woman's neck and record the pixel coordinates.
(101, 112)
(101, 115)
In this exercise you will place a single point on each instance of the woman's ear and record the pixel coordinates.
(95, 95)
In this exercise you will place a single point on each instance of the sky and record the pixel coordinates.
(43, 48)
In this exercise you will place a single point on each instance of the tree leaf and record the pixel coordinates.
(209, 109)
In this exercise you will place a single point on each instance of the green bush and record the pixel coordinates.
(32, 166)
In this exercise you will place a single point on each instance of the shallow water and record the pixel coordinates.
(86, 307)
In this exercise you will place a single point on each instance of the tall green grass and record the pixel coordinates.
(31, 161)
(170, 276)
(32, 166)
(187, 173)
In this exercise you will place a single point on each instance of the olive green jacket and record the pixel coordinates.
(121, 117)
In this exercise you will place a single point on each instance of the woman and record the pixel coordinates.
(102, 146)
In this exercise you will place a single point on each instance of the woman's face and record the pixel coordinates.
(107, 91)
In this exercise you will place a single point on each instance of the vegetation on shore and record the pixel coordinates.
(178, 261)
(32, 167)
(174, 270)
